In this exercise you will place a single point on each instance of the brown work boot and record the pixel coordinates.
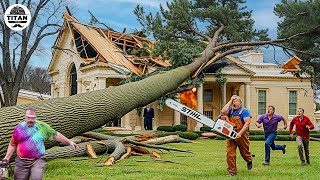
(231, 174)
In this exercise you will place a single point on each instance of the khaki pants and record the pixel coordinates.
(303, 144)
(26, 168)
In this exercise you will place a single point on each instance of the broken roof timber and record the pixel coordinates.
(102, 45)
(292, 64)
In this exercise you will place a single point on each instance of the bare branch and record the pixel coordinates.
(96, 20)
(64, 50)
(14, 57)
(295, 50)
(41, 4)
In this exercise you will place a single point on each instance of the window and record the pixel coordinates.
(73, 80)
(208, 114)
(183, 120)
(262, 101)
(208, 95)
(292, 102)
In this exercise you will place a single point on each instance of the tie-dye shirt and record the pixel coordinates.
(30, 140)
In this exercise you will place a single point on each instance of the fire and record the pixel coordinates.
(189, 98)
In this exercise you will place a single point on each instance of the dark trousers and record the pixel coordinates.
(270, 144)
(148, 124)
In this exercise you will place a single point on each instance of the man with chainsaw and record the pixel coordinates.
(241, 118)
(270, 126)
(28, 138)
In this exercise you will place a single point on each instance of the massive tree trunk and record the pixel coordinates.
(80, 113)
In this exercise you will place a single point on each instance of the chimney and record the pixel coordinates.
(252, 56)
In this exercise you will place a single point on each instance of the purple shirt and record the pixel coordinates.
(270, 125)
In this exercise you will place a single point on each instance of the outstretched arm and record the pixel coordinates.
(61, 138)
(285, 123)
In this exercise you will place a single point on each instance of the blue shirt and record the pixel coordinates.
(270, 125)
(245, 113)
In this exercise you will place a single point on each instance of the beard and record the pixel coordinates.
(30, 123)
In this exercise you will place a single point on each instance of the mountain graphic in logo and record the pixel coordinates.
(17, 17)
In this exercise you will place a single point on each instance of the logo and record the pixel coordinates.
(17, 17)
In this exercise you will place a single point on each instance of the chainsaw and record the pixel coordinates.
(222, 125)
(5, 167)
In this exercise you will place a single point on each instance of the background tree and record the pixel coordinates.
(36, 79)
(298, 16)
(18, 47)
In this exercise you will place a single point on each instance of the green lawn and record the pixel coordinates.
(207, 162)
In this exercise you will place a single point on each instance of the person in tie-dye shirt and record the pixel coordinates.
(28, 138)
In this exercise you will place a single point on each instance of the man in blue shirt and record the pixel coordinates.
(270, 125)
(241, 117)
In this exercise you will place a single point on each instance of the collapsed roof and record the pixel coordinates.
(95, 44)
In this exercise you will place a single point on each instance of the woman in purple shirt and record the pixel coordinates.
(270, 126)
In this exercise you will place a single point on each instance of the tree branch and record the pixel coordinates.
(207, 38)
(219, 56)
(293, 49)
(14, 57)
(253, 43)
(218, 32)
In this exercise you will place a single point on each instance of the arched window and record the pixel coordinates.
(73, 80)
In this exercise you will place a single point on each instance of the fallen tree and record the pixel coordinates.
(81, 113)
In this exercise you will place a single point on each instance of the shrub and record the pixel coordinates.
(166, 128)
(206, 129)
(188, 135)
(181, 128)
(256, 132)
(198, 132)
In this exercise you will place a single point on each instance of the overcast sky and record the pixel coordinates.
(119, 14)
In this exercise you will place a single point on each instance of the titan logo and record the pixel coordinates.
(17, 17)
(191, 112)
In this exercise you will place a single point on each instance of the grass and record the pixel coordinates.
(207, 162)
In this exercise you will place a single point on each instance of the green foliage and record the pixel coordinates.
(181, 128)
(208, 161)
(206, 129)
(165, 128)
(302, 16)
(141, 51)
(317, 106)
(220, 77)
(188, 135)
(176, 31)
(185, 135)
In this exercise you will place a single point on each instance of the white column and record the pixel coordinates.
(223, 94)
(102, 81)
(176, 114)
(247, 94)
(139, 122)
(200, 105)
(52, 89)
(126, 121)
(79, 86)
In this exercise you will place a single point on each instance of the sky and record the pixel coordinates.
(118, 14)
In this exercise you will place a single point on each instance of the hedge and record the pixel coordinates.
(185, 135)
(166, 128)
(181, 128)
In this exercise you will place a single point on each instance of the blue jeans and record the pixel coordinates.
(270, 143)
